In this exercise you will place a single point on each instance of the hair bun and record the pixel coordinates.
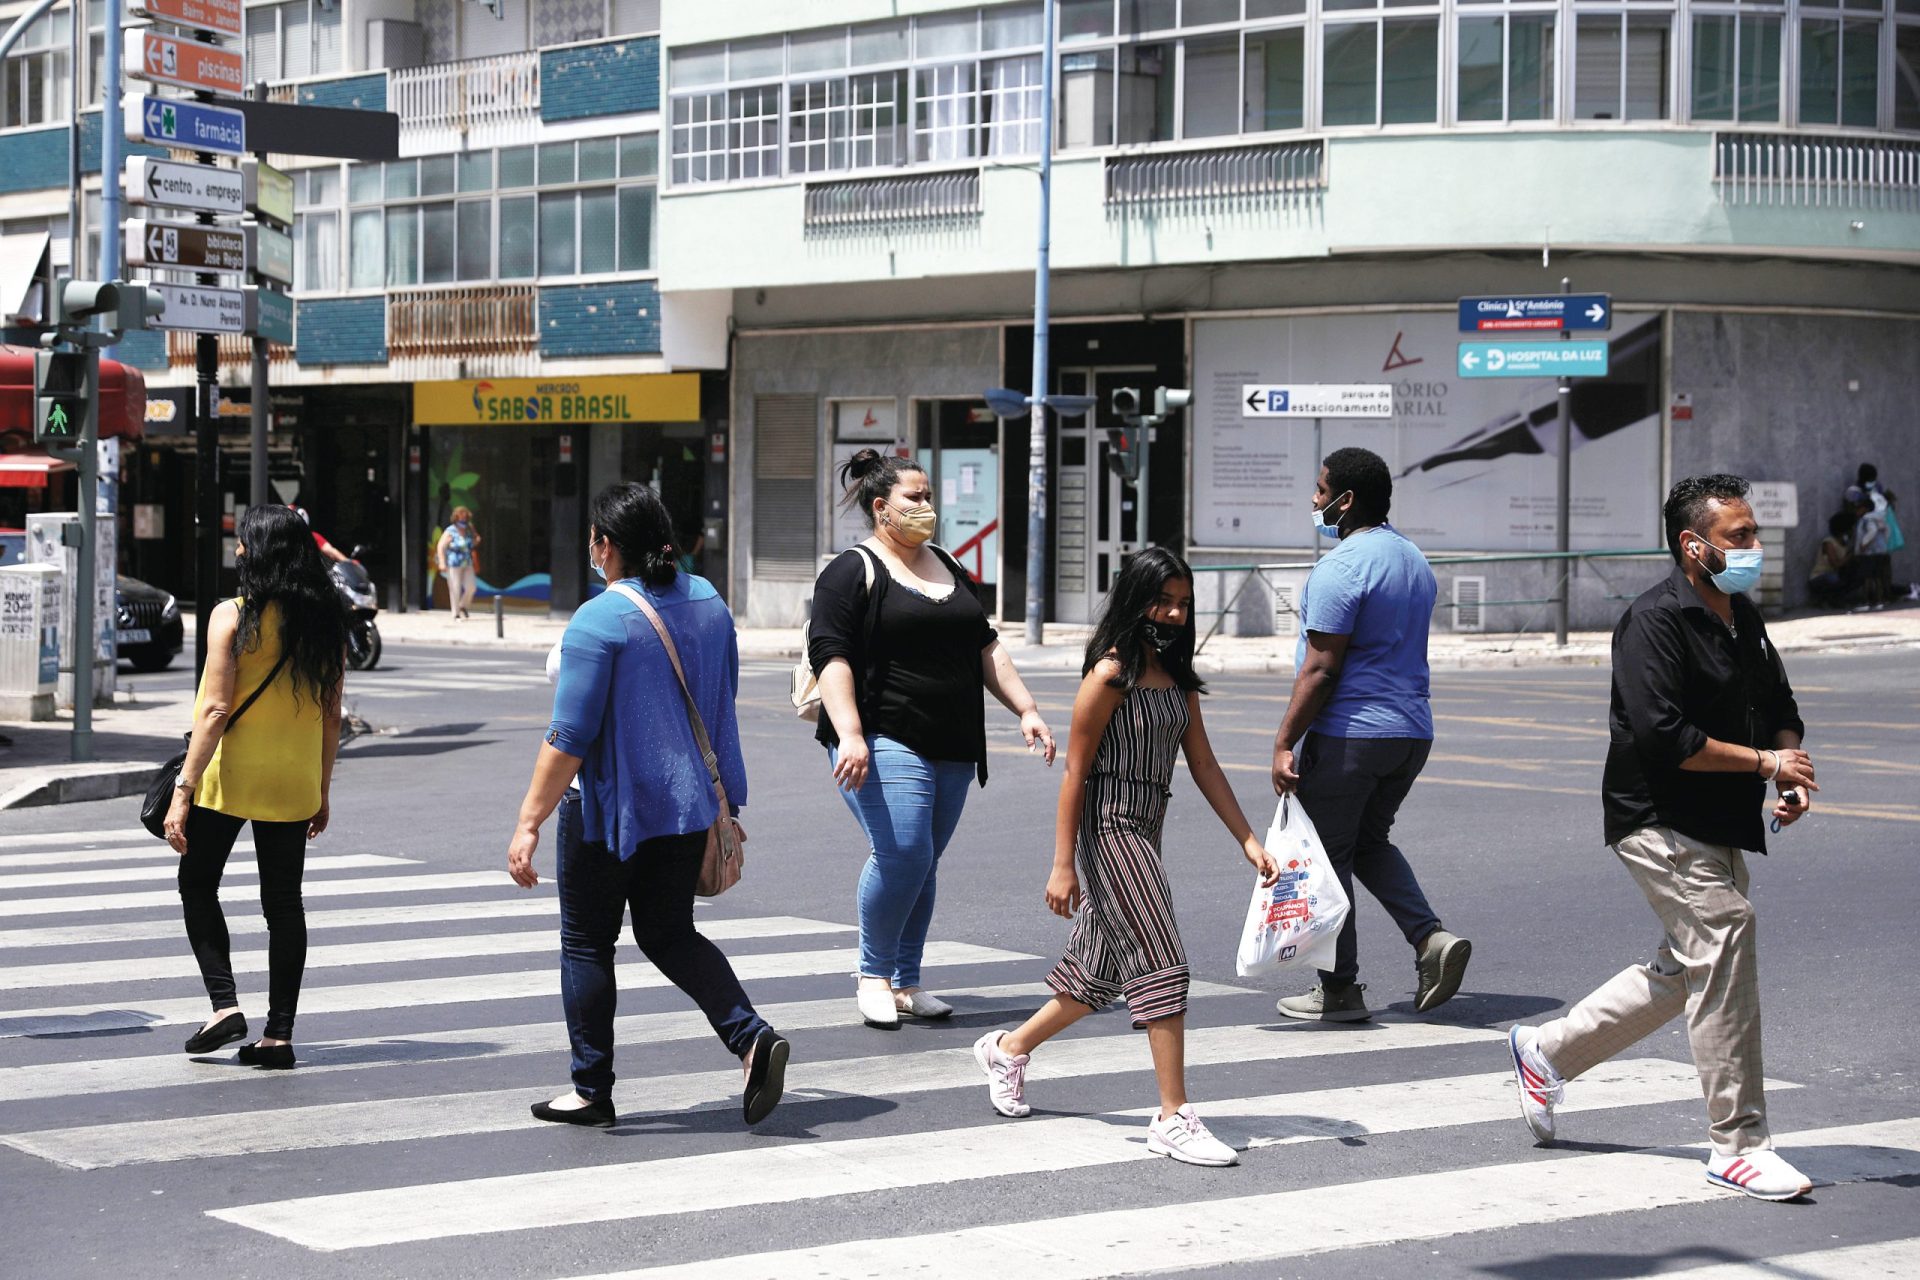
(863, 462)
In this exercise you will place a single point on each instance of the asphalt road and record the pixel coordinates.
(118, 1151)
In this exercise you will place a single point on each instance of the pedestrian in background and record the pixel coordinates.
(279, 650)
(904, 654)
(1870, 540)
(1834, 572)
(1138, 706)
(458, 558)
(621, 724)
(1362, 719)
(1702, 718)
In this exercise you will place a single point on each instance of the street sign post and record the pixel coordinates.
(172, 185)
(1548, 312)
(271, 251)
(172, 244)
(202, 308)
(186, 63)
(191, 126)
(269, 192)
(1533, 360)
(337, 133)
(1317, 400)
(222, 17)
(270, 315)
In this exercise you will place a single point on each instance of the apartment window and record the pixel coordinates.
(1621, 66)
(316, 230)
(1839, 72)
(944, 127)
(1736, 67)
(1010, 106)
(1383, 71)
(699, 131)
(33, 81)
(437, 244)
(879, 134)
(519, 238)
(817, 126)
(366, 250)
(1275, 85)
(1348, 65)
(473, 235)
(1210, 86)
(1086, 98)
(753, 132)
(1504, 67)
(290, 41)
(1906, 73)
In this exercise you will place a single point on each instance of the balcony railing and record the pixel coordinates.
(932, 201)
(483, 320)
(1287, 176)
(236, 350)
(1812, 170)
(463, 95)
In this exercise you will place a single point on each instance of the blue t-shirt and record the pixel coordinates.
(1376, 588)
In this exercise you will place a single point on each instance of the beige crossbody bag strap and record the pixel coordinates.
(686, 693)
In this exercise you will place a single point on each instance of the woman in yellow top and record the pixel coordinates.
(272, 766)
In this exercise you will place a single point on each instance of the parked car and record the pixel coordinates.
(148, 622)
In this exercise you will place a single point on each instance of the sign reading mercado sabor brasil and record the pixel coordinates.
(652, 397)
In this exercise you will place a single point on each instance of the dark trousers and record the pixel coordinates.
(281, 850)
(656, 883)
(1352, 788)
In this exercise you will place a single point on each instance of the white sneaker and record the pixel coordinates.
(1760, 1174)
(1182, 1136)
(876, 1004)
(919, 1004)
(1541, 1088)
(1006, 1075)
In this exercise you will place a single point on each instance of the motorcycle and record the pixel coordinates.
(351, 580)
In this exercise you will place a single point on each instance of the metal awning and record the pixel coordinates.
(23, 261)
(29, 470)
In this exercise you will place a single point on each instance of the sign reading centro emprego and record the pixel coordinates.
(657, 397)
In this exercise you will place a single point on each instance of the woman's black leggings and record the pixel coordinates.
(281, 850)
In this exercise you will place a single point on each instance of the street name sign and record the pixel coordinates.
(172, 185)
(222, 17)
(1549, 311)
(1533, 359)
(186, 63)
(191, 126)
(271, 251)
(201, 309)
(269, 192)
(1317, 400)
(272, 315)
(336, 133)
(173, 244)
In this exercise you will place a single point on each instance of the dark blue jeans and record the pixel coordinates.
(596, 891)
(1352, 789)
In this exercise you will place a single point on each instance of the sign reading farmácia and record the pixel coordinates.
(658, 397)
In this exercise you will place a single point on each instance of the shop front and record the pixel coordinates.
(525, 454)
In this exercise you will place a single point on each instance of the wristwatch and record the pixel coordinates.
(181, 784)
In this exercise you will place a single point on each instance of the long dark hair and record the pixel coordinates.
(281, 565)
(1118, 629)
(870, 475)
(632, 517)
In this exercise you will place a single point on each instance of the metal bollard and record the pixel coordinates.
(499, 618)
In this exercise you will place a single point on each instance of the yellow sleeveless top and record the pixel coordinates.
(267, 767)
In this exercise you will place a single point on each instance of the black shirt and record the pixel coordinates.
(1681, 676)
(915, 660)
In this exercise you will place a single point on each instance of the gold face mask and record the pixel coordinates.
(914, 524)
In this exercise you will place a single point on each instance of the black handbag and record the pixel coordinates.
(153, 810)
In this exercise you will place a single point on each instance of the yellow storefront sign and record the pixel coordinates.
(481, 402)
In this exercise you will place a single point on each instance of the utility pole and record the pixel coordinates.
(1037, 431)
(1563, 541)
(206, 447)
(257, 394)
(112, 148)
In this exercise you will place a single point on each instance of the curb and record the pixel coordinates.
(78, 784)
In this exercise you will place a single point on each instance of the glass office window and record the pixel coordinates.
(640, 155)
(363, 184)
(599, 159)
(516, 167)
(556, 163)
(475, 234)
(436, 176)
(556, 234)
(636, 228)
(437, 243)
(519, 238)
(403, 179)
(476, 171)
(599, 232)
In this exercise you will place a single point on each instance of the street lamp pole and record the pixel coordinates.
(1037, 428)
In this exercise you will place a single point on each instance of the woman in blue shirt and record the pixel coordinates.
(646, 801)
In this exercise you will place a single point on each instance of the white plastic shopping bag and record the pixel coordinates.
(1296, 923)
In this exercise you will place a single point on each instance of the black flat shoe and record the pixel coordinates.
(595, 1115)
(219, 1035)
(766, 1076)
(268, 1057)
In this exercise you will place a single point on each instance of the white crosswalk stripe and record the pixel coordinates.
(148, 850)
(371, 886)
(74, 839)
(171, 870)
(524, 905)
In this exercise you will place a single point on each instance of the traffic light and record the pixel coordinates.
(118, 305)
(1167, 399)
(1126, 403)
(59, 396)
(1123, 452)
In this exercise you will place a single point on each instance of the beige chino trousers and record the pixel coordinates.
(1706, 966)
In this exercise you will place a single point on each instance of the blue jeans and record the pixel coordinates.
(1352, 789)
(908, 806)
(596, 889)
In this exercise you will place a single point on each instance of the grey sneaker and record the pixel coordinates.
(1442, 963)
(1344, 1004)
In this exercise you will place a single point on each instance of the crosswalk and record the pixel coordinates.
(403, 681)
(430, 1018)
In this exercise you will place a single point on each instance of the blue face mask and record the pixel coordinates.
(1318, 518)
(1742, 571)
(598, 572)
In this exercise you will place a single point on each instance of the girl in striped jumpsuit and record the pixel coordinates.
(1139, 704)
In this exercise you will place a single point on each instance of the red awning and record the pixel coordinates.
(123, 395)
(28, 470)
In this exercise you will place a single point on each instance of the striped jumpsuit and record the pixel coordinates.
(1125, 941)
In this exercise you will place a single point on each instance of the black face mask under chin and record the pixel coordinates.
(1160, 635)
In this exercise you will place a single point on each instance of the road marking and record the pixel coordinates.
(467, 1044)
(115, 835)
(387, 951)
(464, 989)
(1883, 1261)
(171, 871)
(1317, 1220)
(497, 1111)
(853, 1166)
(152, 851)
(92, 903)
(337, 918)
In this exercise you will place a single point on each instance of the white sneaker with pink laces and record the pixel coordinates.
(1182, 1136)
(1006, 1075)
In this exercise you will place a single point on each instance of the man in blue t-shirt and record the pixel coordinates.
(1361, 717)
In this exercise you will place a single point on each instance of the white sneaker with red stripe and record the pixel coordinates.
(1540, 1087)
(1760, 1174)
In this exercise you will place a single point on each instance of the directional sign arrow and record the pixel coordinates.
(156, 241)
(1470, 360)
(1596, 313)
(1257, 399)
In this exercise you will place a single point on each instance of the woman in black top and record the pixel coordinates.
(903, 651)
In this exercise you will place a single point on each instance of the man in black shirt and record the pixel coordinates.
(1702, 719)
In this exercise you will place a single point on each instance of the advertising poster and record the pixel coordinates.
(1474, 461)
